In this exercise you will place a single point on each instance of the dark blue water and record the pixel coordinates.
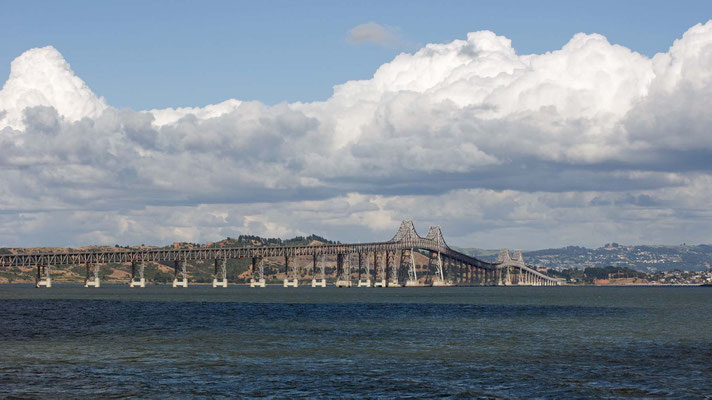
(160, 342)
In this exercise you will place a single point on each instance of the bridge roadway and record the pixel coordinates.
(405, 240)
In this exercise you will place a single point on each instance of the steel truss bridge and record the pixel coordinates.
(378, 264)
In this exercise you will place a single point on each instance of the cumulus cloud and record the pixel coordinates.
(42, 77)
(468, 134)
(372, 32)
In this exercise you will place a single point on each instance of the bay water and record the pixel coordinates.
(462, 342)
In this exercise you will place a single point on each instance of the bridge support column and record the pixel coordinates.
(321, 280)
(92, 277)
(343, 270)
(366, 282)
(393, 270)
(379, 270)
(137, 278)
(412, 273)
(448, 271)
(180, 275)
(313, 267)
(43, 276)
(290, 274)
(439, 279)
(258, 273)
(499, 277)
(220, 274)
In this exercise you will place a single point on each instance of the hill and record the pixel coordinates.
(641, 258)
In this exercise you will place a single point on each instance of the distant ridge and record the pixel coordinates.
(646, 258)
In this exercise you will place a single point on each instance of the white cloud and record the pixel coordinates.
(372, 32)
(42, 77)
(467, 134)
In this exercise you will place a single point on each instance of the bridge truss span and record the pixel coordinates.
(454, 267)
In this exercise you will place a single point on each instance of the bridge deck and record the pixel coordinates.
(406, 239)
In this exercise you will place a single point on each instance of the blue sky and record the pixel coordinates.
(559, 138)
(156, 54)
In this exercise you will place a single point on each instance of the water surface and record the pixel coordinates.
(163, 342)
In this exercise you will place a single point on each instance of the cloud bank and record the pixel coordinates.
(583, 145)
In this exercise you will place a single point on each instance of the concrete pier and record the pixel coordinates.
(93, 282)
(219, 283)
(220, 274)
(43, 277)
(137, 279)
(138, 283)
(318, 282)
(364, 283)
(180, 282)
(257, 283)
(412, 283)
(381, 283)
(46, 282)
(291, 283)
(343, 283)
(92, 278)
(180, 278)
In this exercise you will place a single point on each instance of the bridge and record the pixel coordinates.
(375, 264)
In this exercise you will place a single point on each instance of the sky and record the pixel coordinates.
(526, 125)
